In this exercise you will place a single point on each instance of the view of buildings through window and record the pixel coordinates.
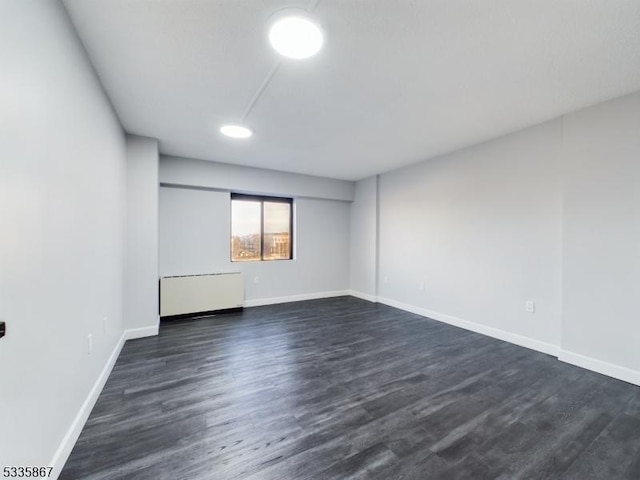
(260, 228)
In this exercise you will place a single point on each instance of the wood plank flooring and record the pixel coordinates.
(346, 389)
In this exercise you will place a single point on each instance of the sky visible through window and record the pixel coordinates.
(246, 217)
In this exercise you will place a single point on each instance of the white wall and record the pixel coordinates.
(62, 218)
(364, 239)
(141, 269)
(549, 214)
(194, 231)
(601, 252)
(195, 238)
(201, 173)
(482, 229)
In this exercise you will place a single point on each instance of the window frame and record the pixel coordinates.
(262, 199)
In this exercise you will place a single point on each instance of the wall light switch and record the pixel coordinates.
(89, 344)
(530, 306)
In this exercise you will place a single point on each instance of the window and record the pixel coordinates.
(261, 228)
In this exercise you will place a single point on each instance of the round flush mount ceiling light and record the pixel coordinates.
(235, 131)
(295, 35)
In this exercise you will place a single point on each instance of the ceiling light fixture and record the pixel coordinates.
(236, 131)
(295, 35)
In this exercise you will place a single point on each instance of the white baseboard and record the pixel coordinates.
(363, 296)
(514, 338)
(141, 332)
(605, 368)
(294, 298)
(69, 440)
(621, 373)
(71, 437)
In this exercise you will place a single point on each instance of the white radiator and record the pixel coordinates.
(200, 293)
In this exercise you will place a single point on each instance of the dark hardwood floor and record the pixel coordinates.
(346, 389)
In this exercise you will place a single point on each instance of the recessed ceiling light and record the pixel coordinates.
(295, 36)
(236, 131)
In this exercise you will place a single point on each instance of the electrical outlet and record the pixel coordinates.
(256, 279)
(530, 306)
(105, 321)
(89, 344)
(421, 286)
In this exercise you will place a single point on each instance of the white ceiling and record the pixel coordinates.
(398, 81)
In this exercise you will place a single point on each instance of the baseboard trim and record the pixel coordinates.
(71, 437)
(258, 302)
(514, 338)
(142, 332)
(599, 366)
(605, 368)
(363, 296)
